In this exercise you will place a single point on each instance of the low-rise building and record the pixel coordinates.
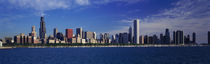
(83, 41)
(1, 43)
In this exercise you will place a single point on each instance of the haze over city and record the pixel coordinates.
(106, 16)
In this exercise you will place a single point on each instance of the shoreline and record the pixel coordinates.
(92, 46)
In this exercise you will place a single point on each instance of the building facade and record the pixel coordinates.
(136, 31)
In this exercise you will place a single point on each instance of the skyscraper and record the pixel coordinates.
(33, 32)
(42, 30)
(146, 39)
(55, 31)
(94, 35)
(209, 37)
(194, 38)
(113, 39)
(79, 32)
(69, 33)
(130, 35)
(179, 37)
(161, 38)
(167, 37)
(141, 39)
(136, 31)
(174, 37)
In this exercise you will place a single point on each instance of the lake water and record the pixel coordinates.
(107, 55)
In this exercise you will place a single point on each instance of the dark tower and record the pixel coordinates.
(42, 30)
(209, 37)
(167, 37)
(194, 38)
(174, 37)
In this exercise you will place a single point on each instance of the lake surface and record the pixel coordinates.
(107, 55)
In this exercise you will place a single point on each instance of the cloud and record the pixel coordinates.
(82, 2)
(46, 5)
(188, 15)
(41, 5)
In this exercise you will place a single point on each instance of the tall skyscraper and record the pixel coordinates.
(55, 31)
(94, 35)
(167, 37)
(79, 32)
(194, 38)
(42, 30)
(130, 35)
(174, 37)
(179, 37)
(136, 31)
(209, 37)
(69, 33)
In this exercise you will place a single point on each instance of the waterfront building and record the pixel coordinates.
(167, 37)
(60, 36)
(130, 35)
(8, 40)
(209, 37)
(150, 40)
(29, 39)
(42, 30)
(17, 39)
(141, 39)
(33, 32)
(136, 31)
(125, 37)
(1, 43)
(79, 32)
(194, 38)
(51, 39)
(116, 38)
(161, 39)
(55, 31)
(83, 41)
(174, 37)
(107, 38)
(78, 40)
(155, 39)
(179, 37)
(120, 37)
(146, 39)
(89, 35)
(187, 39)
(69, 33)
(104, 38)
(94, 35)
(113, 39)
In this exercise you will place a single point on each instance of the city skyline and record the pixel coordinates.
(59, 17)
(88, 37)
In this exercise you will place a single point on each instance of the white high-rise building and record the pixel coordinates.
(136, 31)
(1, 43)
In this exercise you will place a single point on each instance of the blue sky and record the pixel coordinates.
(112, 16)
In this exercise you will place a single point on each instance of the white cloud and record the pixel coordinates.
(41, 5)
(83, 2)
(188, 15)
